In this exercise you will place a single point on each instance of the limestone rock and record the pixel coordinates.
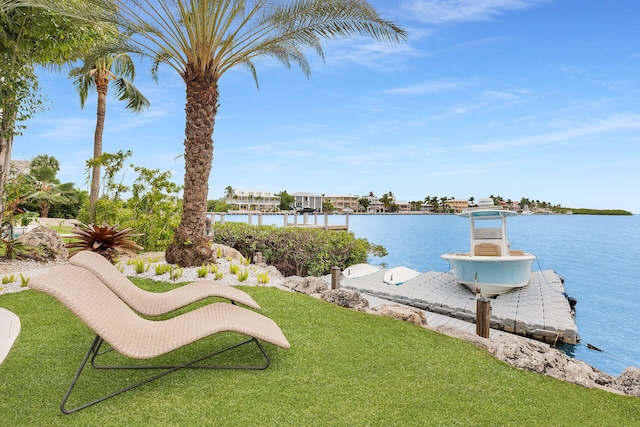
(226, 252)
(47, 242)
(404, 313)
(628, 382)
(540, 357)
(274, 274)
(345, 298)
(307, 285)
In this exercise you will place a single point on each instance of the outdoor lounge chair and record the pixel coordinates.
(156, 303)
(127, 333)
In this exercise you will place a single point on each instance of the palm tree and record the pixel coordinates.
(202, 40)
(48, 189)
(229, 192)
(96, 74)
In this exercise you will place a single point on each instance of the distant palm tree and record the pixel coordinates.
(48, 189)
(96, 74)
(204, 39)
(229, 192)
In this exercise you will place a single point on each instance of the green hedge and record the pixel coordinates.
(297, 251)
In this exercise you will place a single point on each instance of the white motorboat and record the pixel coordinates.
(491, 267)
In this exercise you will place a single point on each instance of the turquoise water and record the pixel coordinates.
(598, 256)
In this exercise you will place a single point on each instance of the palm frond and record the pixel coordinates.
(126, 91)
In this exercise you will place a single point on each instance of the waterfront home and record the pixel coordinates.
(308, 200)
(342, 202)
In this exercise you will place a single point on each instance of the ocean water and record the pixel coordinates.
(598, 256)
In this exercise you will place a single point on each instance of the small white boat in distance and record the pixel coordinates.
(359, 270)
(491, 267)
(399, 275)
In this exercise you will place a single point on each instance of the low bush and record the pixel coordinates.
(297, 251)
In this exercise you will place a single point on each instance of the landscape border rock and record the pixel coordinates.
(404, 313)
(47, 244)
(306, 285)
(541, 358)
(346, 298)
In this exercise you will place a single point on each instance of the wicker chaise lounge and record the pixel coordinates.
(156, 303)
(127, 333)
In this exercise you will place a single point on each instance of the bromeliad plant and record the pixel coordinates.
(106, 240)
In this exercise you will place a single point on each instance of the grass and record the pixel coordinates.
(344, 368)
(62, 229)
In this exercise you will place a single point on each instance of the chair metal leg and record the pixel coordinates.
(94, 351)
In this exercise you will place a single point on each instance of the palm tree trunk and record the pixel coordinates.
(190, 246)
(102, 86)
(7, 124)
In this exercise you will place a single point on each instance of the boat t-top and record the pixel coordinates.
(490, 267)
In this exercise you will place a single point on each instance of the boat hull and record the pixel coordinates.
(494, 275)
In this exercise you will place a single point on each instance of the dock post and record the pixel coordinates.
(286, 219)
(347, 221)
(222, 218)
(326, 220)
(250, 218)
(260, 218)
(483, 317)
(315, 218)
(258, 257)
(295, 219)
(305, 218)
(335, 277)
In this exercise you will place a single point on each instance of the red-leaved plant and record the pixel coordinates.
(106, 240)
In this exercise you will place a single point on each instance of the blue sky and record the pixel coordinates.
(517, 98)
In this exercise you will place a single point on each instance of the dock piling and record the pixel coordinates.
(483, 317)
(335, 277)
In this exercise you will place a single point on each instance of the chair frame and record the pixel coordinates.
(94, 352)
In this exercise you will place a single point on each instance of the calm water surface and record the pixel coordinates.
(598, 256)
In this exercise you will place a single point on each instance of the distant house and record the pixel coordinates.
(254, 200)
(375, 205)
(403, 206)
(308, 200)
(426, 207)
(341, 202)
(457, 205)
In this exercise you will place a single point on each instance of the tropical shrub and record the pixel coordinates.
(106, 240)
(153, 210)
(13, 248)
(296, 251)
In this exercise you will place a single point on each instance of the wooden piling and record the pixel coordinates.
(335, 277)
(483, 317)
(258, 257)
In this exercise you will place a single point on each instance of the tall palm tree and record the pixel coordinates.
(97, 73)
(202, 40)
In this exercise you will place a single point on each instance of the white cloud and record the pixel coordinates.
(608, 124)
(69, 128)
(447, 11)
(428, 87)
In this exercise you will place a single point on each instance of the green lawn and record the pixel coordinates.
(344, 368)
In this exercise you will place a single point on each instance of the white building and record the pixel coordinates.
(254, 200)
(308, 200)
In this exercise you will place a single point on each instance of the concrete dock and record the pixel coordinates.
(538, 310)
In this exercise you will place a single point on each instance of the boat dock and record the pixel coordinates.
(538, 310)
(318, 220)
